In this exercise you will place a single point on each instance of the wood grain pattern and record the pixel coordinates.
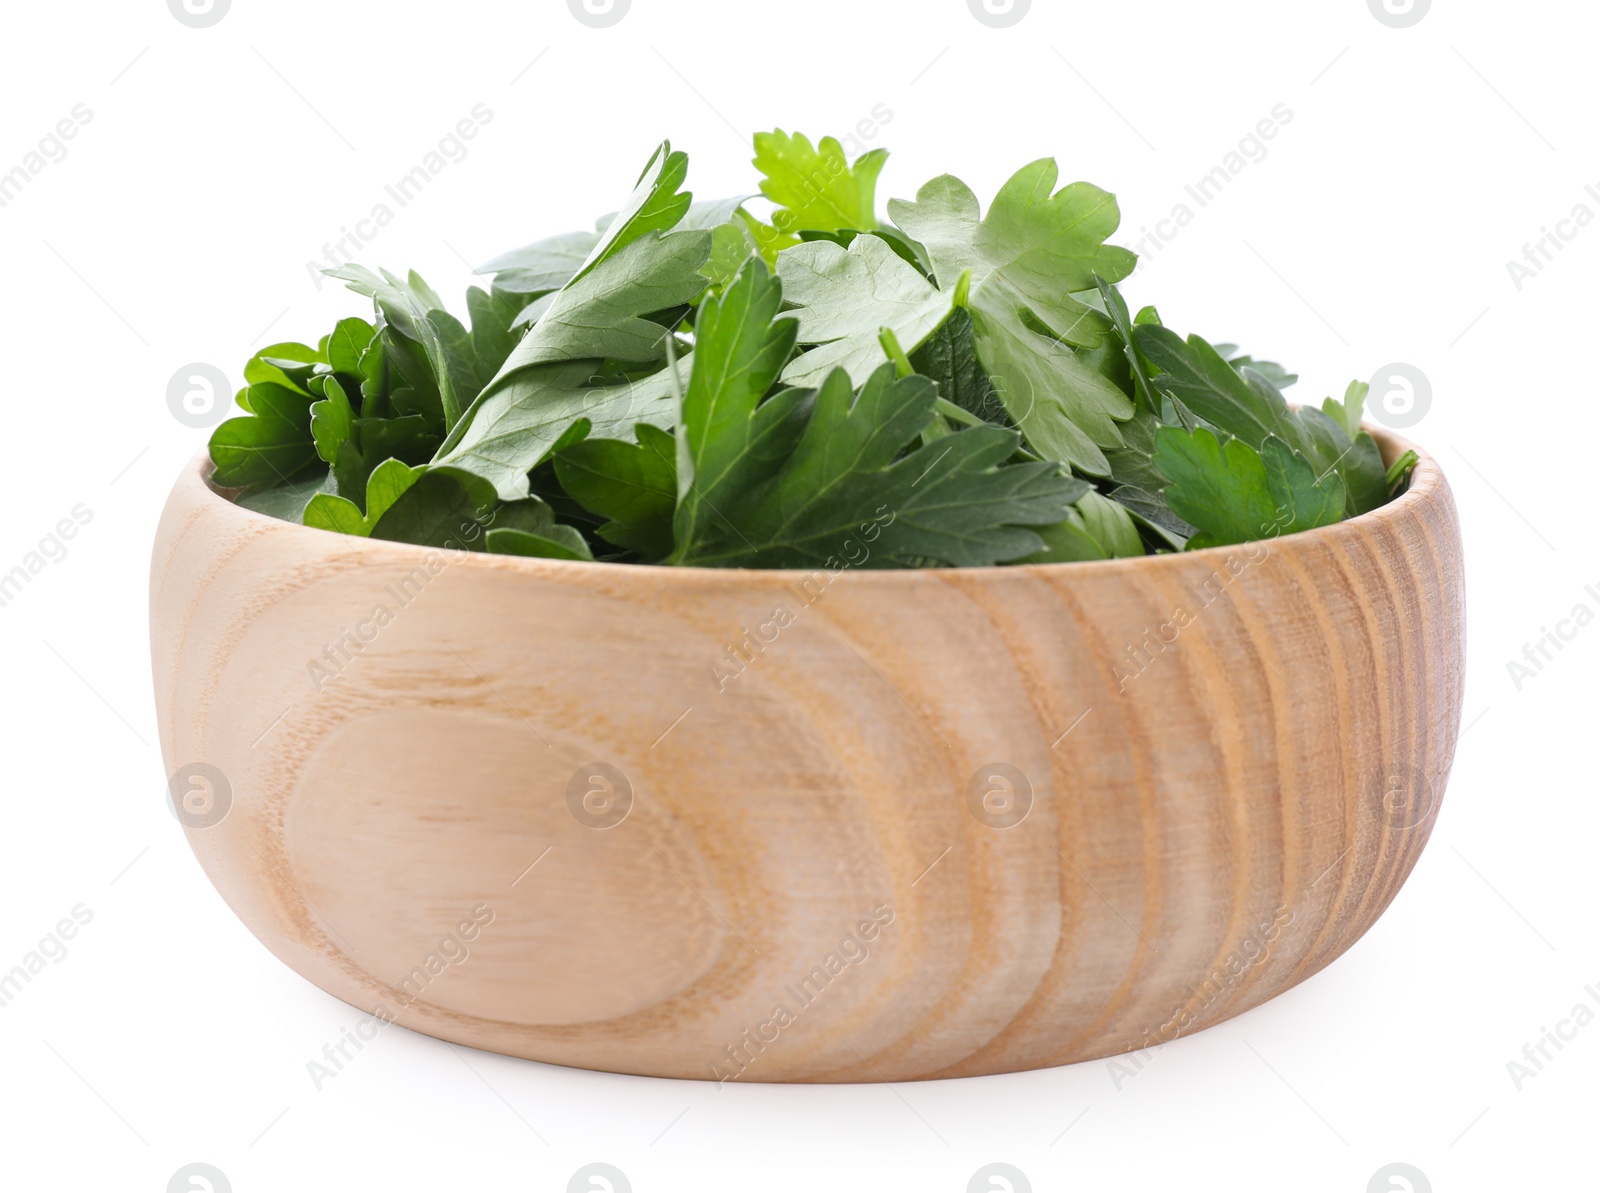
(1234, 758)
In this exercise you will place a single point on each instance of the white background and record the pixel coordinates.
(219, 161)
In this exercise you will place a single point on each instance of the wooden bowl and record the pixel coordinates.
(848, 826)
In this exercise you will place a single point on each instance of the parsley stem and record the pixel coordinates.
(892, 349)
(963, 289)
(1400, 469)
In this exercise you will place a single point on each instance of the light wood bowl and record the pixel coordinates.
(831, 833)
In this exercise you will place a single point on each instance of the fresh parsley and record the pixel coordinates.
(813, 384)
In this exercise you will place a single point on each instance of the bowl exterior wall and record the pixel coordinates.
(849, 826)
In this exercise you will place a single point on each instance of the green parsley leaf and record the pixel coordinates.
(731, 246)
(416, 312)
(1305, 500)
(740, 347)
(950, 358)
(843, 495)
(1064, 407)
(1017, 268)
(845, 487)
(656, 205)
(442, 507)
(1348, 413)
(817, 189)
(1037, 246)
(286, 502)
(1095, 528)
(845, 297)
(603, 314)
(290, 365)
(563, 543)
(850, 393)
(353, 446)
(332, 422)
(388, 482)
(1279, 377)
(1236, 494)
(539, 411)
(1244, 404)
(542, 266)
(632, 485)
(272, 445)
(1358, 462)
(1117, 308)
(349, 342)
(528, 528)
(556, 386)
(1149, 509)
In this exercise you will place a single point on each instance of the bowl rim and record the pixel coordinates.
(1426, 487)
